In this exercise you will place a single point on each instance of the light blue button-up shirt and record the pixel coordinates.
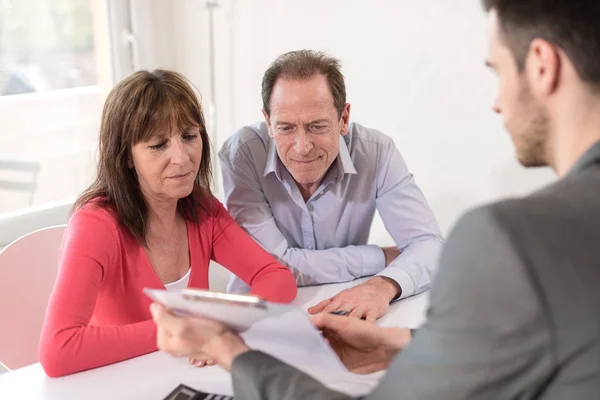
(324, 239)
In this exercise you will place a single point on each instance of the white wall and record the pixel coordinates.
(414, 69)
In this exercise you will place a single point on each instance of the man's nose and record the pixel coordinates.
(496, 107)
(303, 143)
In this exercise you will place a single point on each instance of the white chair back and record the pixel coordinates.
(28, 269)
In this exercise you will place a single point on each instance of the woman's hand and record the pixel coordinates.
(201, 362)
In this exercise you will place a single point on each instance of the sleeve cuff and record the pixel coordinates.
(402, 278)
(373, 259)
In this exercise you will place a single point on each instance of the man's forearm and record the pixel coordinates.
(332, 265)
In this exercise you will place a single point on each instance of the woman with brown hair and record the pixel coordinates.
(148, 220)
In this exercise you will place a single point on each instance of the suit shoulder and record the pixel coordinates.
(502, 214)
(526, 224)
(545, 206)
(498, 222)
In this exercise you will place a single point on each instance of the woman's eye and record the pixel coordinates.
(158, 146)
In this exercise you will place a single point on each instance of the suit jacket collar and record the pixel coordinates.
(590, 158)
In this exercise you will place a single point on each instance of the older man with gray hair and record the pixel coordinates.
(305, 183)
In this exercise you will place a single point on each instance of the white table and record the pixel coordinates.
(154, 375)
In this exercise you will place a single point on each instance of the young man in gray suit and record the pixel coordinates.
(515, 308)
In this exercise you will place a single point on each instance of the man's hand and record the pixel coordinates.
(369, 300)
(364, 348)
(196, 338)
(390, 253)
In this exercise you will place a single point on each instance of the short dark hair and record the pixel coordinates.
(572, 25)
(137, 108)
(302, 65)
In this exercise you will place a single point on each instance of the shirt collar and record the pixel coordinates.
(272, 160)
(343, 160)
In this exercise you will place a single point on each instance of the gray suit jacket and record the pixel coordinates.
(515, 308)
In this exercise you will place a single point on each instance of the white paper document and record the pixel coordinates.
(281, 330)
(292, 338)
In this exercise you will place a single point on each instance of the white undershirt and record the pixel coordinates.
(179, 284)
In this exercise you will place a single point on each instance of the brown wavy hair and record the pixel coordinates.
(141, 105)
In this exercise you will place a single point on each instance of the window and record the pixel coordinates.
(55, 70)
(46, 46)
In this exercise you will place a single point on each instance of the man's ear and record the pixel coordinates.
(345, 119)
(268, 121)
(543, 67)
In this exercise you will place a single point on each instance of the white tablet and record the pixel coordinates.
(236, 311)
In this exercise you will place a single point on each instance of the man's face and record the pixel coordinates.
(305, 126)
(525, 118)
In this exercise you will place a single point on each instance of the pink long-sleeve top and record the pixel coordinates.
(97, 313)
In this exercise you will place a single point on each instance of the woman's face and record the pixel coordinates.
(167, 164)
